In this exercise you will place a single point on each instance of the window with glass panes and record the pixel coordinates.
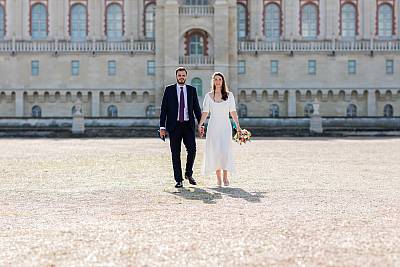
(309, 21)
(241, 21)
(150, 22)
(78, 22)
(348, 20)
(312, 66)
(74, 67)
(39, 21)
(35, 67)
(241, 67)
(114, 22)
(196, 44)
(389, 66)
(274, 66)
(352, 66)
(272, 22)
(112, 67)
(385, 21)
(2, 22)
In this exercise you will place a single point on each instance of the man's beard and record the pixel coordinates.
(181, 82)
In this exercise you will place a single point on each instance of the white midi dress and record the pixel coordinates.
(218, 149)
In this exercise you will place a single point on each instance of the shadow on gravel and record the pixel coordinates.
(233, 192)
(194, 193)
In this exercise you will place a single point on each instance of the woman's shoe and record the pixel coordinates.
(226, 182)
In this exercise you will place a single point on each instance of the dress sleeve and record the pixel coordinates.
(232, 105)
(206, 103)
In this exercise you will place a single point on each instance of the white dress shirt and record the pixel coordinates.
(178, 92)
(185, 110)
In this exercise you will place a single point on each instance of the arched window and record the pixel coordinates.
(196, 2)
(309, 21)
(388, 111)
(241, 21)
(112, 111)
(114, 22)
(196, 44)
(150, 111)
(150, 21)
(39, 22)
(308, 110)
(349, 20)
(274, 111)
(242, 110)
(78, 22)
(272, 22)
(385, 23)
(197, 82)
(36, 112)
(351, 110)
(2, 22)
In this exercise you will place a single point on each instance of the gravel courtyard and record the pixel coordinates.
(112, 202)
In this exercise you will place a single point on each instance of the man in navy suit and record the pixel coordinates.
(179, 109)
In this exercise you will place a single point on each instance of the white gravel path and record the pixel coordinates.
(111, 202)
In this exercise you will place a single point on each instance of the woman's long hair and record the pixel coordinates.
(224, 89)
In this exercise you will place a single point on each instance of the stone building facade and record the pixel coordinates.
(279, 56)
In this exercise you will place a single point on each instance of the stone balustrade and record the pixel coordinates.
(52, 46)
(319, 46)
(196, 10)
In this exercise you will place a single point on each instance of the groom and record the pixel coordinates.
(179, 107)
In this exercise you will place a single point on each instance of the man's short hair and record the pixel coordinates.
(180, 69)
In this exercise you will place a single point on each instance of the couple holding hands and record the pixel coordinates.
(179, 109)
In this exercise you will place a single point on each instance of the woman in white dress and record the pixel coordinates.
(218, 155)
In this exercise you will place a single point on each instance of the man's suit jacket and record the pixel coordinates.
(170, 106)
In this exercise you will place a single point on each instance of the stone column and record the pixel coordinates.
(19, 103)
(22, 19)
(332, 16)
(324, 20)
(11, 12)
(53, 17)
(254, 17)
(95, 104)
(171, 45)
(221, 37)
(159, 56)
(63, 11)
(371, 103)
(92, 19)
(292, 104)
(233, 80)
(131, 13)
(295, 19)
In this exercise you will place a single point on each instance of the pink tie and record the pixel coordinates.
(181, 105)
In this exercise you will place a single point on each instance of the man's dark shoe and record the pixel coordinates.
(179, 185)
(191, 180)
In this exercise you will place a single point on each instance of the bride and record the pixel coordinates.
(218, 156)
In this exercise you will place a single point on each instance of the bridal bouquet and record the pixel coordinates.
(242, 136)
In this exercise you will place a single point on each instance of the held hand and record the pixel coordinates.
(201, 130)
(238, 129)
(162, 133)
